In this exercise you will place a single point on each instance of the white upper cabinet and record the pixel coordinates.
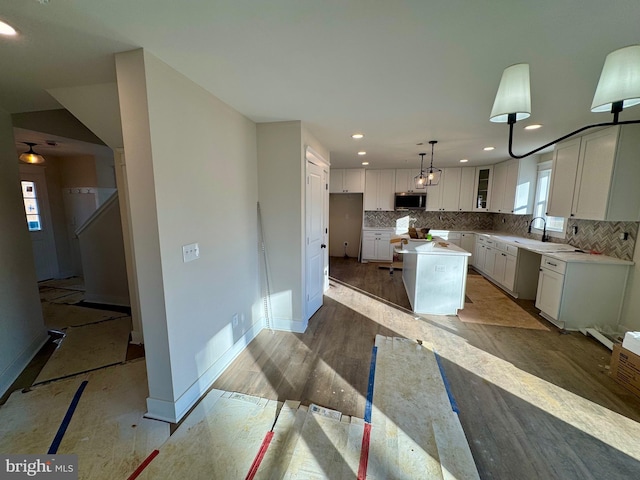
(405, 180)
(454, 192)
(514, 186)
(467, 181)
(379, 189)
(482, 189)
(607, 170)
(350, 180)
(450, 196)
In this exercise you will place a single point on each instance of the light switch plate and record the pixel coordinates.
(190, 252)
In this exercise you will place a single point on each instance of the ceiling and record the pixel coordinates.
(401, 72)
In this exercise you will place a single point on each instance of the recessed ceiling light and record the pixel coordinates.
(535, 126)
(488, 149)
(357, 136)
(365, 163)
(362, 152)
(464, 160)
(6, 29)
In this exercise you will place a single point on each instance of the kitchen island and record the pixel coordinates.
(435, 275)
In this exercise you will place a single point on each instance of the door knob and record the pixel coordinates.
(323, 245)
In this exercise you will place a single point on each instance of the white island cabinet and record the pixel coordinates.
(435, 276)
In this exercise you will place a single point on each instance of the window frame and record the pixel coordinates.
(540, 205)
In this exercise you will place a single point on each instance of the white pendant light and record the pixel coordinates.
(619, 80)
(30, 156)
(618, 88)
(514, 95)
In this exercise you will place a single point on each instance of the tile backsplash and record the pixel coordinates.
(594, 235)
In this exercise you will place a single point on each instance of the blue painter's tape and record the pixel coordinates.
(454, 405)
(53, 449)
(372, 376)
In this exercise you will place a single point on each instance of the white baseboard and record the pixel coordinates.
(174, 411)
(286, 325)
(11, 373)
(136, 337)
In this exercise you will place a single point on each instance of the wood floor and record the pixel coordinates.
(533, 403)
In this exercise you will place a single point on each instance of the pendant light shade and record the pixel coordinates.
(514, 95)
(431, 177)
(619, 80)
(30, 156)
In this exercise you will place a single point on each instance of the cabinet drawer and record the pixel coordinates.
(511, 250)
(553, 264)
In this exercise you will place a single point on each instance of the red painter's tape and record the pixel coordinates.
(143, 465)
(364, 452)
(261, 453)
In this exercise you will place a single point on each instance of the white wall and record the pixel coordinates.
(191, 168)
(280, 182)
(21, 324)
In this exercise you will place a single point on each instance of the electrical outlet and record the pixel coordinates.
(190, 252)
(624, 236)
(575, 229)
(234, 321)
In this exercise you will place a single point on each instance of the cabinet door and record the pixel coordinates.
(498, 186)
(490, 261)
(510, 272)
(499, 266)
(467, 180)
(563, 178)
(480, 254)
(336, 180)
(371, 189)
(385, 248)
(386, 189)
(402, 180)
(468, 243)
(434, 197)
(549, 294)
(595, 168)
(450, 197)
(482, 198)
(510, 187)
(368, 247)
(354, 180)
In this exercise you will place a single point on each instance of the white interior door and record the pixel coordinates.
(36, 202)
(315, 244)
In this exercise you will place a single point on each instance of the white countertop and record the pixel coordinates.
(559, 251)
(437, 246)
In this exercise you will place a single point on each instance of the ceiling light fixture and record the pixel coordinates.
(618, 88)
(362, 153)
(357, 136)
(430, 178)
(534, 126)
(464, 160)
(488, 149)
(365, 163)
(30, 156)
(6, 29)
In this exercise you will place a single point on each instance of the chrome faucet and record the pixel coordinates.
(544, 228)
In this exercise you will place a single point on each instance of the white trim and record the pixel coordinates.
(314, 157)
(286, 325)
(174, 411)
(13, 371)
(136, 337)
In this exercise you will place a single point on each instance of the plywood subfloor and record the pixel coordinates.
(88, 347)
(108, 431)
(60, 316)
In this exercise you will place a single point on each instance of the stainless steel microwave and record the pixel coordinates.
(410, 201)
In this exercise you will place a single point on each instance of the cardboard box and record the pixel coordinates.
(625, 368)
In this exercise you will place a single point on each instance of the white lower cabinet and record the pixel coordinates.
(376, 246)
(468, 243)
(575, 295)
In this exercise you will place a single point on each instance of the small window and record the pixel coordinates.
(31, 208)
(554, 224)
